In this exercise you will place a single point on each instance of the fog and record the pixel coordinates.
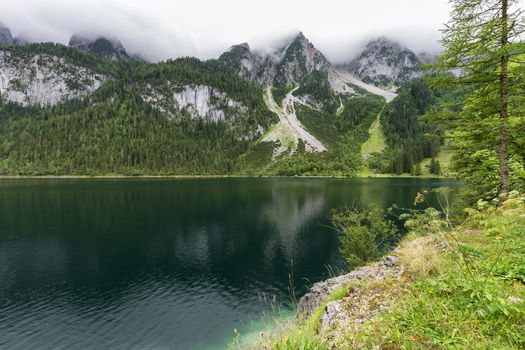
(158, 29)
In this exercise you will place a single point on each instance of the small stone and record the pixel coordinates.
(390, 260)
(442, 246)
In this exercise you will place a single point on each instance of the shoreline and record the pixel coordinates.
(377, 176)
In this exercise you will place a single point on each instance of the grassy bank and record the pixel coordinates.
(462, 287)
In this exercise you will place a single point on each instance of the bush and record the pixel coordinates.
(364, 234)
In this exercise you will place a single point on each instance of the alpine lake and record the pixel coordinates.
(168, 263)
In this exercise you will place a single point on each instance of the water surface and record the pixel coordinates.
(165, 263)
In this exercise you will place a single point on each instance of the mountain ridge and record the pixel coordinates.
(287, 111)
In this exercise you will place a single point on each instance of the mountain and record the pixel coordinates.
(386, 63)
(99, 46)
(250, 65)
(287, 65)
(297, 63)
(5, 36)
(298, 80)
(298, 60)
(86, 109)
(66, 111)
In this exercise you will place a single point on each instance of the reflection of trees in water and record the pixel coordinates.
(88, 227)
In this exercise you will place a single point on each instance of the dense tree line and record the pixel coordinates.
(410, 139)
(122, 136)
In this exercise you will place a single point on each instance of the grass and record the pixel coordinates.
(376, 142)
(463, 287)
(444, 156)
(299, 335)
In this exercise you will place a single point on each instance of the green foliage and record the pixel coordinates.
(364, 235)
(435, 167)
(477, 295)
(342, 135)
(279, 92)
(485, 45)
(124, 136)
(317, 87)
(472, 294)
(410, 138)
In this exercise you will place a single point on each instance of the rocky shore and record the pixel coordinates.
(369, 291)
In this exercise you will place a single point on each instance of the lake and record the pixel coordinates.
(166, 263)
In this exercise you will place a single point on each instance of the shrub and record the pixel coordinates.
(364, 234)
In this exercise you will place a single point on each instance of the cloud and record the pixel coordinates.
(159, 29)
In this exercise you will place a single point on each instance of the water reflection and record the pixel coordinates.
(163, 263)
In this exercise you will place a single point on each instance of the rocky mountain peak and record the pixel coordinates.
(300, 36)
(99, 46)
(384, 43)
(300, 58)
(243, 46)
(5, 36)
(386, 63)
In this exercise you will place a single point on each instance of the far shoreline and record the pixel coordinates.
(118, 176)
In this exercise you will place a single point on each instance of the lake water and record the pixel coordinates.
(166, 263)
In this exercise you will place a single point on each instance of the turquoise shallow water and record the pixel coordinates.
(165, 263)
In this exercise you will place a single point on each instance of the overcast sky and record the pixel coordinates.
(160, 29)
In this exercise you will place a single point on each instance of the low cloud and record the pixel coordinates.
(159, 29)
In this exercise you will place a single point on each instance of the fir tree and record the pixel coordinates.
(481, 42)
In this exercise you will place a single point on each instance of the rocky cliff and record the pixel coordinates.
(43, 79)
(5, 36)
(99, 46)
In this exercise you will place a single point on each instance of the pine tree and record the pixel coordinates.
(432, 167)
(481, 42)
(437, 168)
(418, 169)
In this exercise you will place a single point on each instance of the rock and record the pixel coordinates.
(33, 80)
(99, 46)
(5, 36)
(289, 64)
(385, 62)
(321, 290)
(390, 260)
(332, 311)
(198, 101)
(472, 232)
(515, 300)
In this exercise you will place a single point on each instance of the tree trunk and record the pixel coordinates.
(504, 112)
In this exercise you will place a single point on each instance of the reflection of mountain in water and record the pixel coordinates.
(288, 213)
